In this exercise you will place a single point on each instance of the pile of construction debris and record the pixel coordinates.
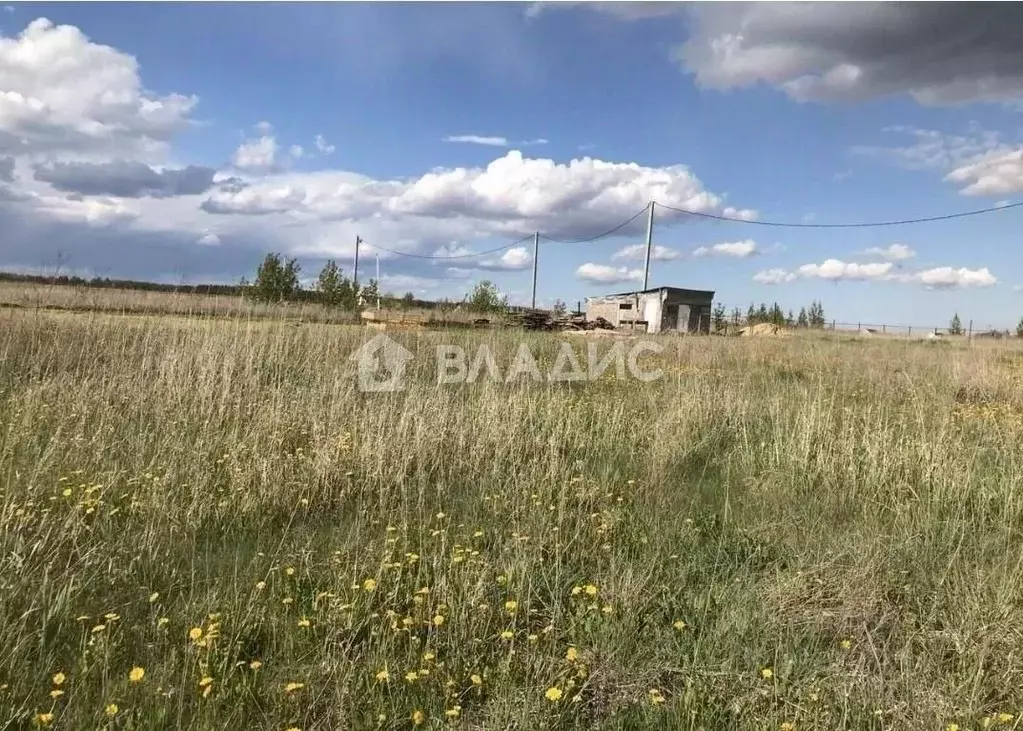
(544, 320)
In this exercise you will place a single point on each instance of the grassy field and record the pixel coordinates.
(206, 525)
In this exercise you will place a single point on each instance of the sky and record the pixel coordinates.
(181, 142)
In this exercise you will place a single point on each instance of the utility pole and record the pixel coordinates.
(649, 241)
(378, 280)
(536, 252)
(355, 274)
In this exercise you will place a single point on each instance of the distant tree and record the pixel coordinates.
(776, 316)
(736, 315)
(1019, 328)
(370, 293)
(276, 280)
(333, 289)
(719, 316)
(790, 320)
(816, 315)
(486, 299)
(408, 301)
(802, 320)
(751, 315)
(955, 327)
(763, 314)
(560, 309)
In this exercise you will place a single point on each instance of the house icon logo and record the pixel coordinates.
(381, 364)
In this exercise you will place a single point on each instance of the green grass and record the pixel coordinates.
(825, 509)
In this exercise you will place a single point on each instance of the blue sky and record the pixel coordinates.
(160, 141)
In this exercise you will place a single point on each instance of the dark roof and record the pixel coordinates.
(696, 292)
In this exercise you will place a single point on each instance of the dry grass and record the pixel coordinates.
(842, 513)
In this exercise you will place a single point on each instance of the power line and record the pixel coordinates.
(866, 224)
(607, 233)
(454, 256)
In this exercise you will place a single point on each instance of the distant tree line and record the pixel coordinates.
(812, 317)
(106, 283)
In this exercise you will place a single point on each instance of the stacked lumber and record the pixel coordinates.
(544, 320)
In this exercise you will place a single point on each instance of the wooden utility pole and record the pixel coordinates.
(355, 272)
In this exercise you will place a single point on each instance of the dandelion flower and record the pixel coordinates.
(428, 656)
(590, 590)
(438, 620)
(952, 727)
(453, 712)
(846, 644)
(136, 674)
(383, 676)
(59, 679)
(679, 625)
(369, 585)
(766, 673)
(292, 687)
(418, 717)
(304, 622)
(476, 680)
(1005, 718)
(195, 634)
(572, 655)
(655, 696)
(787, 726)
(511, 606)
(255, 665)
(260, 585)
(44, 719)
(553, 694)
(162, 621)
(111, 709)
(56, 693)
(207, 680)
(507, 634)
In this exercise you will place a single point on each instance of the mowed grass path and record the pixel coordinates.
(803, 533)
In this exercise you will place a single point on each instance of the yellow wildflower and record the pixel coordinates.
(56, 693)
(507, 635)
(369, 585)
(453, 712)
(195, 634)
(111, 709)
(207, 680)
(846, 644)
(572, 655)
(767, 673)
(154, 596)
(44, 719)
(136, 674)
(59, 679)
(418, 717)
(679, 625)
(590, 590)
(304, 622)
(787, 726)
(476, 680)
(292, 687)
(511, 606)
(655, 696)
(411, 676)
(553, 694)
(383, 676)
(438, 620)
(255, 665)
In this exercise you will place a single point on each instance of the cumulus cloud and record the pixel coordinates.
(603, 274)
(513, 259)
(125, 179)
(998, 173)
(209, 239)
(60, 92)
(638, 252)
(734, 249)
(892, 252)
(835, 270)
(324, 147)
(256, 155)
(939, 53)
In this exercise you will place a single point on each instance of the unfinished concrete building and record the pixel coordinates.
(658, 310)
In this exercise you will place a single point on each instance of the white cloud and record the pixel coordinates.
(735, 249)
(323, 146)
(59, 92)
(209, 239)
(638, 251)
(892, 252)
(998, 173)
(773, 276)
(256, 155)
(513, 259)
(951, 278)
(835, 270)
(478, 140)
(264, 128)
(296, 152)
(603, 274)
